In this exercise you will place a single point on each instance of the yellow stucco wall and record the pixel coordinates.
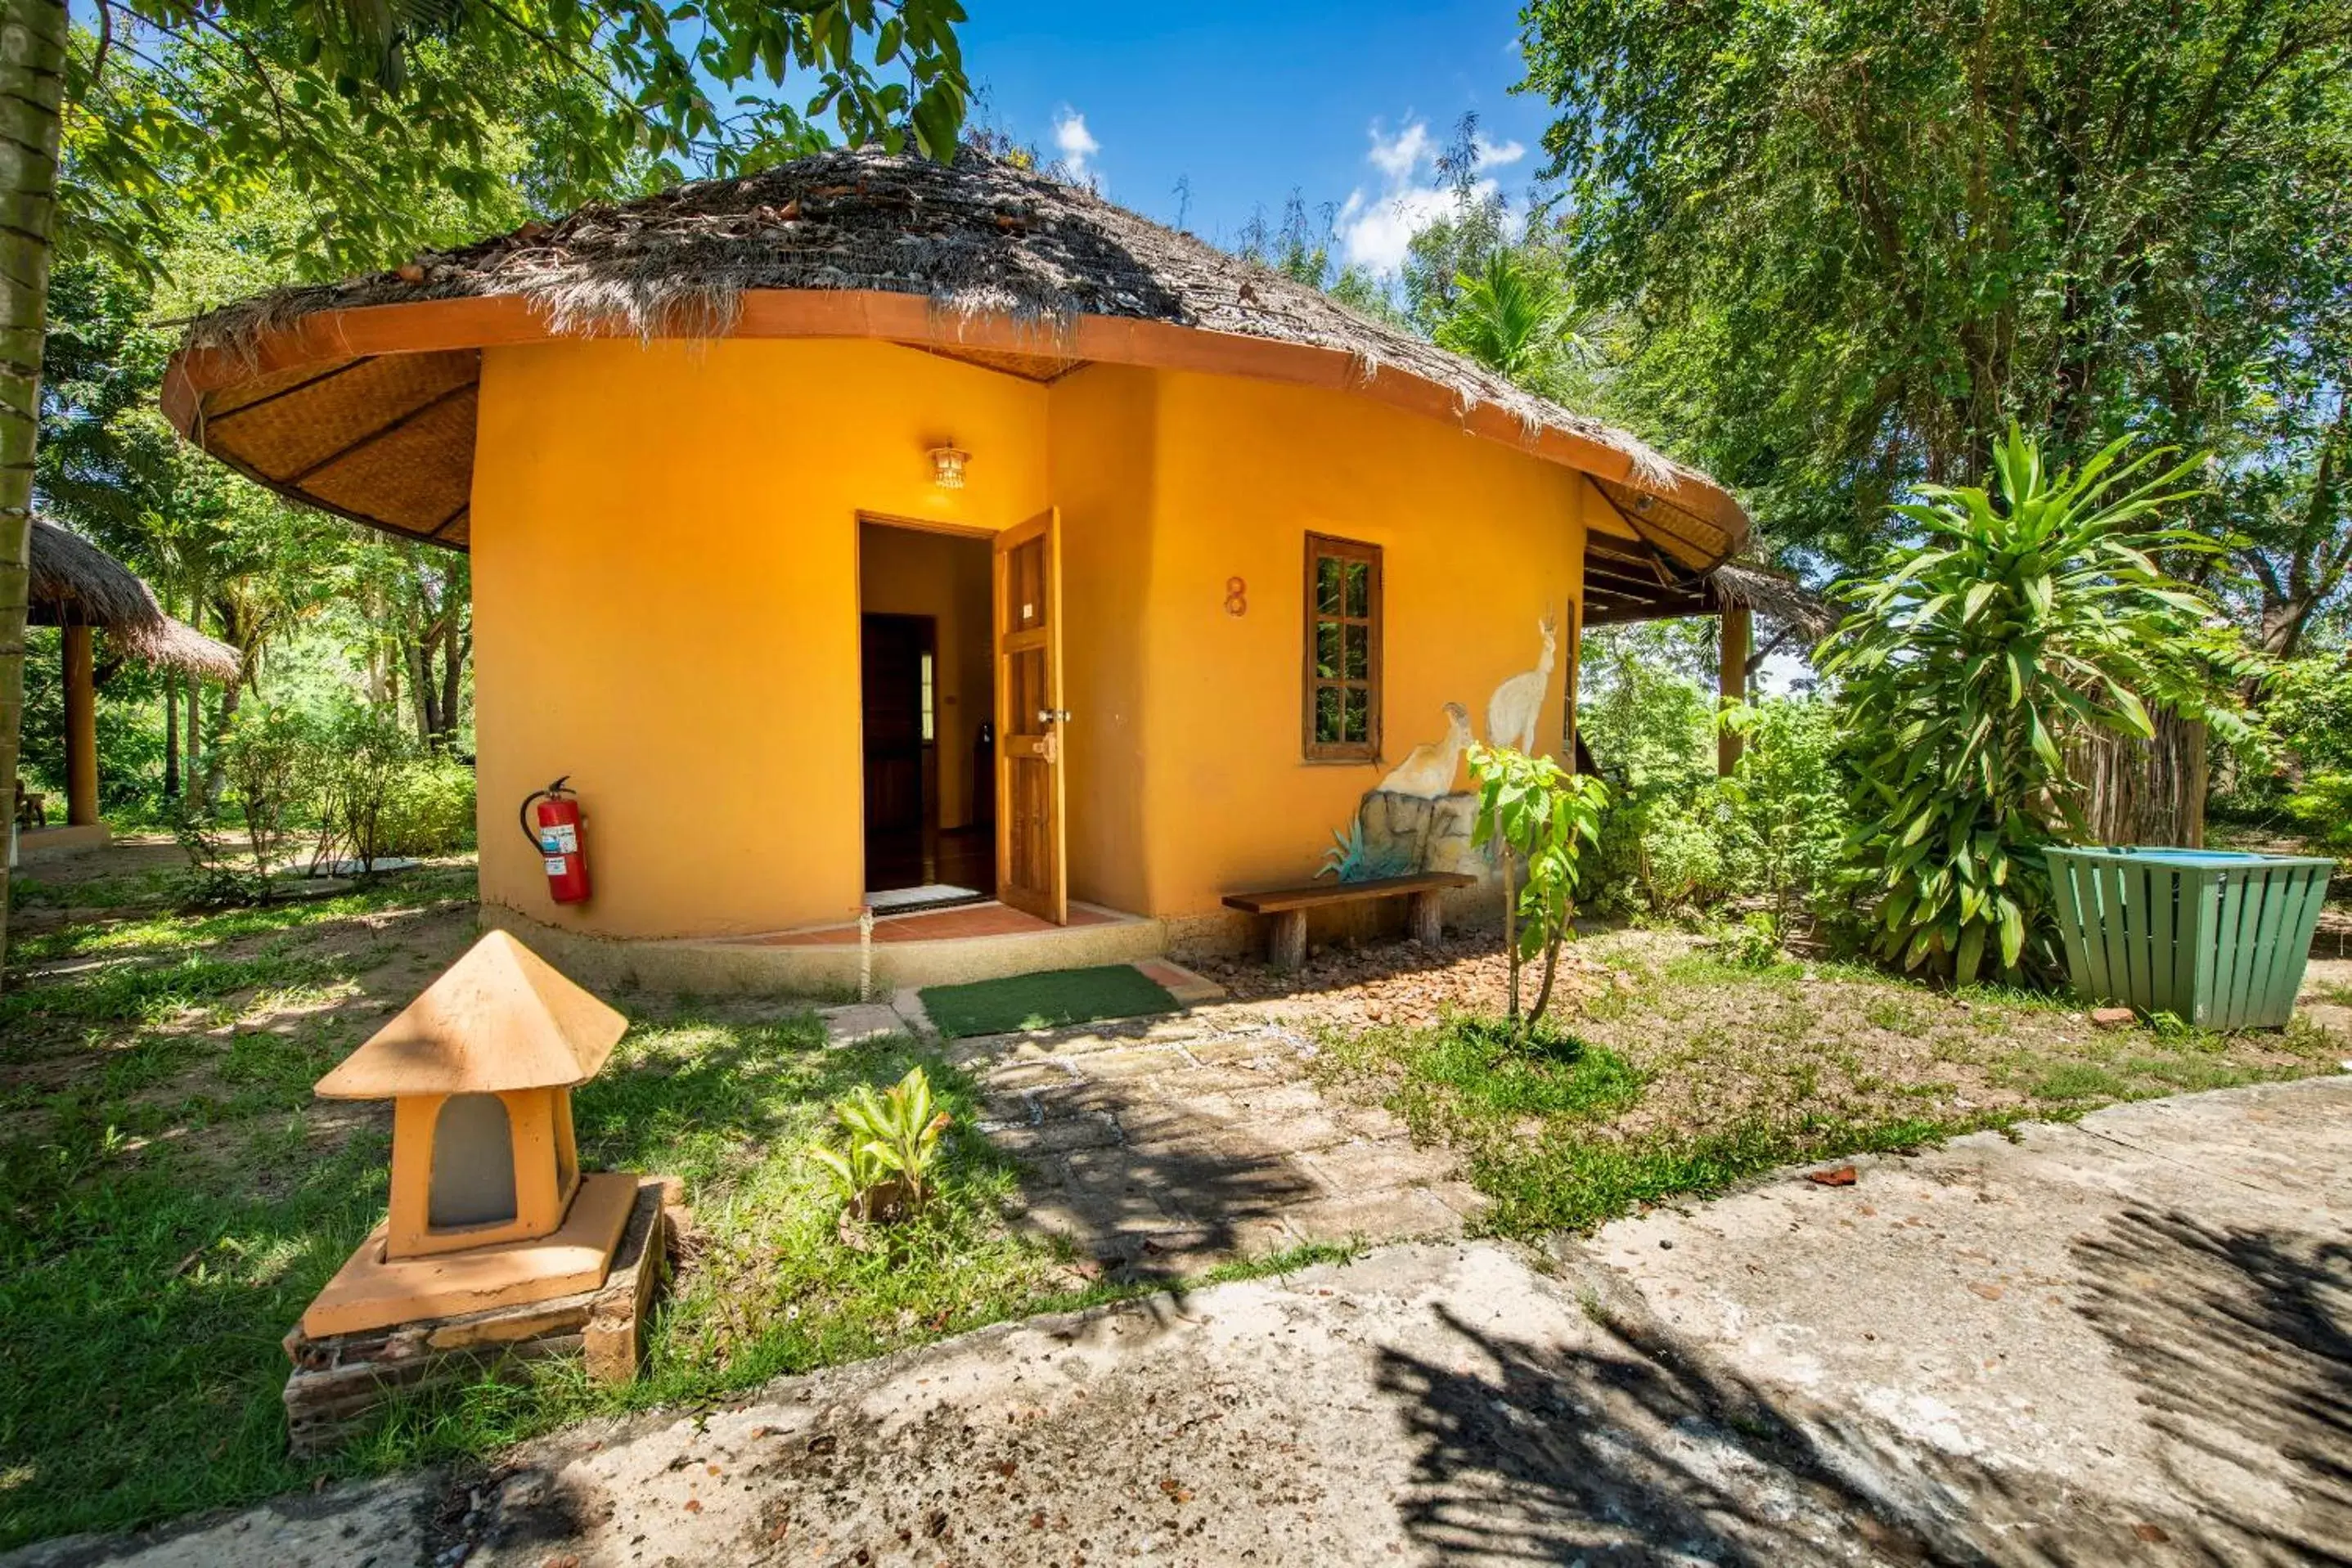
(1477, 540)
(1104, 478)
(666, 607)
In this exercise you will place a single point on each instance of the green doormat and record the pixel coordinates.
(1045, 1002)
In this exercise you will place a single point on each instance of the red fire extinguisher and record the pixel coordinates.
(557, 839)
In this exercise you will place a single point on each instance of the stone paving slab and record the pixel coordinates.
(1201, 1138)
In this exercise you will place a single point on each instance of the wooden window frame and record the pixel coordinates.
(1322, 547)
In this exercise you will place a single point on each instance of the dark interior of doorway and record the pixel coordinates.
(930, 839)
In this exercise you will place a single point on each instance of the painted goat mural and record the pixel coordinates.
(1415, 820)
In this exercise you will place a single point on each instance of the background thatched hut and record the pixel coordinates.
(80, 587)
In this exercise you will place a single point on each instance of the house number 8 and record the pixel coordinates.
(1236, 596)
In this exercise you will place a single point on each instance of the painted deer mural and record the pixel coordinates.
(1518, 704)
(1428, 771)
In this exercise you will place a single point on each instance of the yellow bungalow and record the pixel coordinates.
(870, 533)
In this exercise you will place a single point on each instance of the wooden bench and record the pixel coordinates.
(1286, 943)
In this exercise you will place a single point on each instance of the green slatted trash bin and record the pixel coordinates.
(2214, 937)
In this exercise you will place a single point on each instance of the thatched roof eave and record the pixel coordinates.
(977, 261)
(73, 582)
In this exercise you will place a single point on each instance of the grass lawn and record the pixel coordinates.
(1049, 1001)
(1680, 1074)
(172, 1194)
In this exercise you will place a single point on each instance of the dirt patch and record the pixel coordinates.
(1403, 983)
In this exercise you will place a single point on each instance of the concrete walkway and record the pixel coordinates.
(2129, 1341)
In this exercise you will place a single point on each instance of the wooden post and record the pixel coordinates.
(1424, 915)
(1731, 683)
(1286, 944)
(81, 730)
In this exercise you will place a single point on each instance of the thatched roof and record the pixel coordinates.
(1624, 582)
(75, 583)
(359, 396)
(1778, 599)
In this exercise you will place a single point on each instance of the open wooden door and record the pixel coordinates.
(1032, 871)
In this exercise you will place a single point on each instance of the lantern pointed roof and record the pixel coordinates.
(501, 1017)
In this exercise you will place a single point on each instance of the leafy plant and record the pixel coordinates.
(1513, 316)
(884, 1171)
(1543, 816)
(367, 749)
(1785, 816)
(1650, 728)
(1753, 943)
(2030, 612)
(271, 761)
(430, 809)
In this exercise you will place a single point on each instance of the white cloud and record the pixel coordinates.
(1496, 154)
(1396, 157)
(1075, 142)
(1376, 227)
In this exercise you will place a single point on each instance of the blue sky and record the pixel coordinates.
(1347, 104)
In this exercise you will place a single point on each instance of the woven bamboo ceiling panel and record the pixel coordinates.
(386, 440)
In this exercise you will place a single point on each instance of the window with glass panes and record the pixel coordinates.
(1342, 721)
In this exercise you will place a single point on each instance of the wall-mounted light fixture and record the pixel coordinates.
(947, 466)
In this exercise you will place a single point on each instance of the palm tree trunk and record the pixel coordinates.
(32, 77)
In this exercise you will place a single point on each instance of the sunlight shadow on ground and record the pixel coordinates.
(1631, 1450)
(2240, 1342)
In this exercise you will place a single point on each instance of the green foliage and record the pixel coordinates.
(429, 809)
(366, 752)
(890, 1139)
(1513, 316)
(2323, 804)
(2297, 760)
(378, 117)
(1650, 728)
(2029, 614)
(1851, 238)
(1785, 811)
(1540, 817)
(1755, 943)
(271, 759)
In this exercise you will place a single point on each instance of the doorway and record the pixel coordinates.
(927, 699)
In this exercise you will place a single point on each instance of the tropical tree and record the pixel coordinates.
(1513, 316)
(1852, 238)
(161, 105)
(2015, 618)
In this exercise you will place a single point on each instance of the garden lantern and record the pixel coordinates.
(488, 1205)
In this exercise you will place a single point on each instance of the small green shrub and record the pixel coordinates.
(369, 754)
(883, 1169)
(1542, 817)
(1753, 943)
(429, 809)
(271, 761)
